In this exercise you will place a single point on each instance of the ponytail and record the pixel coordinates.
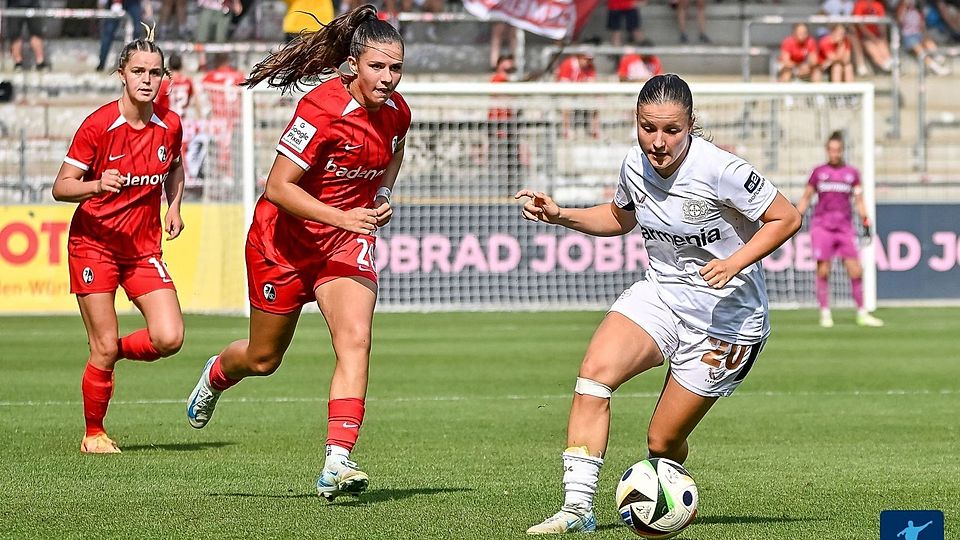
(145, 44)
(313, 56)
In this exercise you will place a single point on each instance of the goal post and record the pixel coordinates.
(457, 241)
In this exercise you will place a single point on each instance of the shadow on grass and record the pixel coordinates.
(177, 447)
(721, 520)
(725, 520)
(374, 496)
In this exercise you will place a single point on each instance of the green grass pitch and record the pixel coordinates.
(466, 419)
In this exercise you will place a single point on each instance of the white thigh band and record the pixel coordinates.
(589, 387)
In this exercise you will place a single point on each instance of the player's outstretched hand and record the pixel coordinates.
(109, 181)
(538, 206)
(384, 211)
(719, 272)
(173, 224)
(360, 220)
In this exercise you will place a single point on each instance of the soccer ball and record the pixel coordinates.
(657, 498)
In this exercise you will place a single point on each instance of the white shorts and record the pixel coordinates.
(704, 365)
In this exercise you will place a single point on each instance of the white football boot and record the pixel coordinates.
(203, 399)
(567, 520)
(341, 477)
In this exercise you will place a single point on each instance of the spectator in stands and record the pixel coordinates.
(836, 55)
(221, 87)
(626, 14)
(943, 15)
(913, 33)
(429, 6)
(498, 32)
(246, 6)
(844, 8)
(214, 19)
(638, 67)
(177, 90)
(133, 8)
(798, 56)
(681, 7)
(15, 27)
(297, 19)
(168, 10)
(873, 36)
(579, 68)
(503, 148)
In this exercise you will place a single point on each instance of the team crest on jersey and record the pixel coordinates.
(269, 292)
(695, 210)
(393, 143)
(87, 275)
(162, 154)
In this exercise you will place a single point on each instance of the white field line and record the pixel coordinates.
(626, 395)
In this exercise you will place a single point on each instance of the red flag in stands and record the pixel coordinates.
(555, 19)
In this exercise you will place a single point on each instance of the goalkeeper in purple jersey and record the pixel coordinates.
(832, 232)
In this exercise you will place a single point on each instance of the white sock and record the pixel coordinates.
(581, 472)
(825, 312)
(862, 312)
(336, 454)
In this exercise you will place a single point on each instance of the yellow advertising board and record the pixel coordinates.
(206, 261)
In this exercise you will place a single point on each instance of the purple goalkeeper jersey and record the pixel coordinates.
(834, 187)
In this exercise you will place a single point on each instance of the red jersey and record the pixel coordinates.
(125, 225)
(570, 71)
(175, 94)
(621, 5)
(634, 67)
(799, 52)
(499, 113)
(869, 7)
(222, 87)
(828, 46)
(344, 150)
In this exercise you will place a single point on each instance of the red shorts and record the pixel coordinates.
(93, 273)
(280, 289)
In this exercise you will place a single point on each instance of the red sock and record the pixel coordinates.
(97, 387)
(344, 417)
(137, 346)
(218, 380)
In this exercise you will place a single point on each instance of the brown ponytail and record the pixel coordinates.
(314, 55)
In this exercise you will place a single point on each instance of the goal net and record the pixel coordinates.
(457, 240)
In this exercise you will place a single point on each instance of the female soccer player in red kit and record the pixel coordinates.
(312, 233)
(122, 157)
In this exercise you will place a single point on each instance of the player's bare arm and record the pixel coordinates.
(173, 187)
(601, 220)
(381, 202)
(805, 199)
(70, 187)
(284, 191)
(780, 221)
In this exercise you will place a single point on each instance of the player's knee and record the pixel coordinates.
(265, 364)
(353, 337)
(104, 348)
(664, 444)
(167, 343)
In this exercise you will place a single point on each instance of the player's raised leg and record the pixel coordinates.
(100, 320)
(619, 350)
(163, 335)
(259, 356)
(347, 305)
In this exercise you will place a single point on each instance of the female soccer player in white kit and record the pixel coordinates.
(707, 218)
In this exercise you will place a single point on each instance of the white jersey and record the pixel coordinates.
(706, 210)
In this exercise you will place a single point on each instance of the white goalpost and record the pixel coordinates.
(457, 241)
